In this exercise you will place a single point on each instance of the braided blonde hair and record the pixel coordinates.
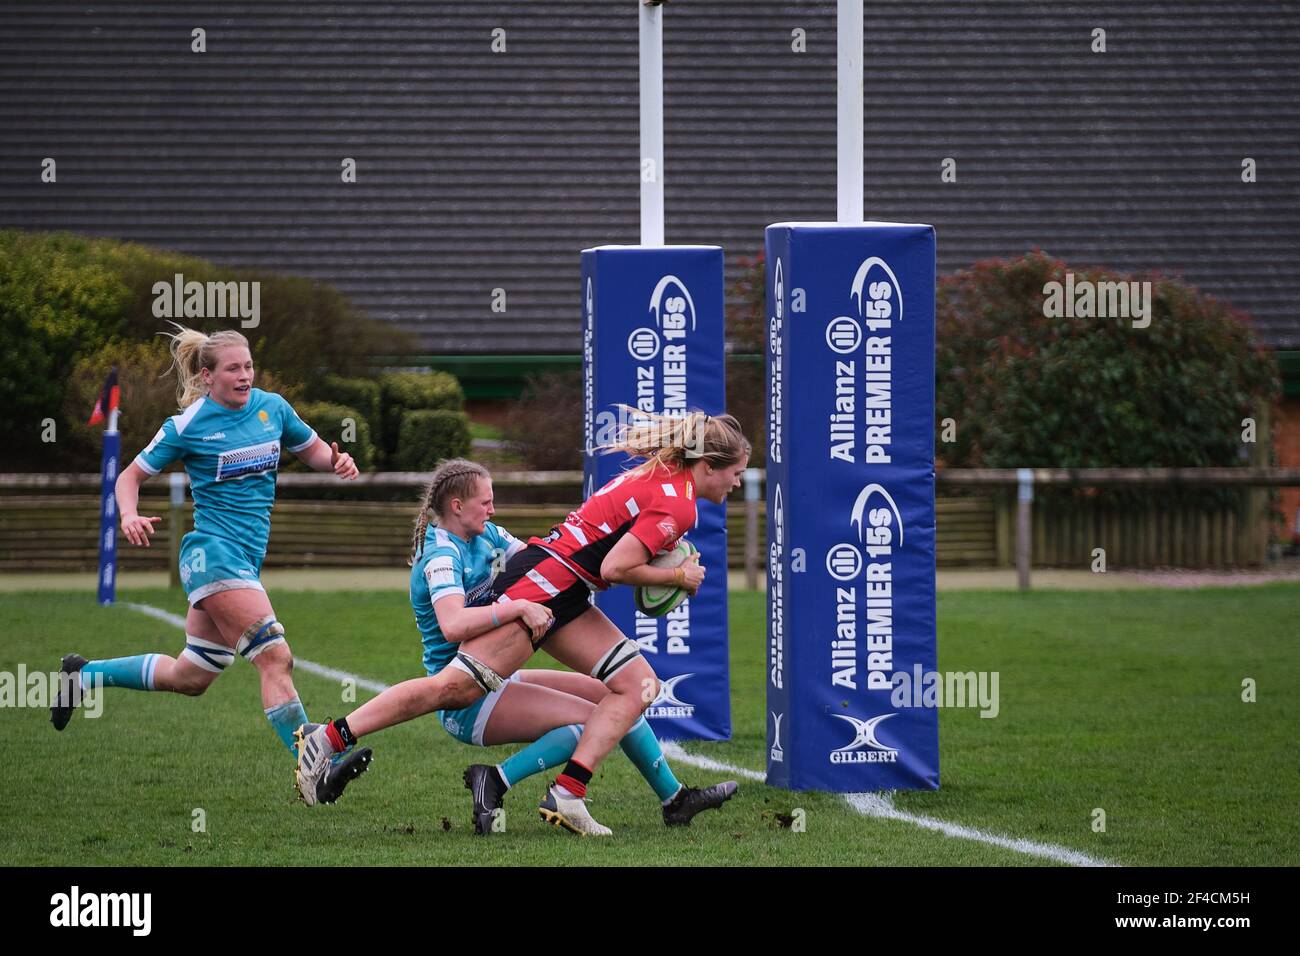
(193, 351)
(671, 442)
(453, 478)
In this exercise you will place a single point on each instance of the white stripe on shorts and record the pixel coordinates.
(542, 583)
(632, 507)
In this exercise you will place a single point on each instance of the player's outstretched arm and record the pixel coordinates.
(135, 528)
(319, 456)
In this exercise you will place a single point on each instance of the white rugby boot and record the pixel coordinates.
(570, 813)
(315, 757)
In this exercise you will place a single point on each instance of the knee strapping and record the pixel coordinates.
(484, 676)
(615, 659)
(260, 635)
(208, 655)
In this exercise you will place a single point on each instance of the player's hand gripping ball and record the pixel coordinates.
(656, 600)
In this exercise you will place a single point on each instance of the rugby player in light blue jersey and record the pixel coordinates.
(455, 554)
(229, 436)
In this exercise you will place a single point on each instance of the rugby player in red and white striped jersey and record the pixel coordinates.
(609, 540)
(656, 507)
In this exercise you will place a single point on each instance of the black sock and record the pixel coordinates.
(578, 772)
(345, 732)
(575, 778)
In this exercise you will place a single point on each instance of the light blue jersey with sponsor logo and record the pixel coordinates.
(451, 565)
(232, 458)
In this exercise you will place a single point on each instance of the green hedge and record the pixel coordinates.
(362, 394)
(427, 436)
(403, 392)
(69, 303)
(332, 421)
(148, 398)
(58, 299)
(1026, 387)
(1029, 390)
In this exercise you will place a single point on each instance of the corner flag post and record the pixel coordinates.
(108, 511)
(106, 410)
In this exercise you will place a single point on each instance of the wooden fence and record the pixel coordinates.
(56, 529)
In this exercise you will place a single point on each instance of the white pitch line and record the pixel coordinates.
(881, 806)
(877, 805)
(311, 667)
(675, 752)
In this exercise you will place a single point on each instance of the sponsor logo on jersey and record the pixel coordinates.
(250, 460)
(668, 704)
(439, 572)
(864, 747)
(213, 437)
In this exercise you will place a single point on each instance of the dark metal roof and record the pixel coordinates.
(481, 170)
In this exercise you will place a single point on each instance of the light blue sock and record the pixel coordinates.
(550, 750)
(285, 719)
(642, 748)
(135, 673)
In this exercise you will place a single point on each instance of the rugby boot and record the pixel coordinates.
(689, 801)
(569, 813)
(68, 694)
(315, 760)
(344, 768)
(485, 786)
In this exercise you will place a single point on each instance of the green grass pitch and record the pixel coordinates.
(1128, 701)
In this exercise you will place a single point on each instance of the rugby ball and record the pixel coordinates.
(656, 600)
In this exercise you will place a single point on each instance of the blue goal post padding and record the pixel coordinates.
(653, 340)
(850, 496)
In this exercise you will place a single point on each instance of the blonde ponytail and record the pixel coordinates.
(671, 442)
(192, 352)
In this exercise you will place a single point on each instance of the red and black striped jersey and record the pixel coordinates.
(656, 508)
